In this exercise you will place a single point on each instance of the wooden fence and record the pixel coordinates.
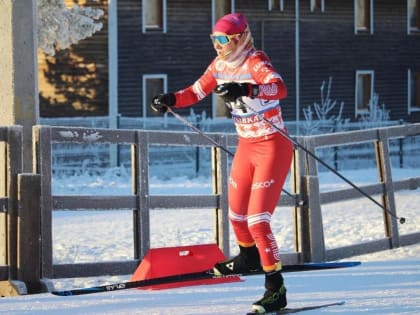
(36, 202)
(385, 187)
(10, 167)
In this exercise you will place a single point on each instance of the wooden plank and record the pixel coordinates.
(409, 183)
(357, 249)
(287, 200)
(42, 139)
(140, 174)
(317, 244)
(91, 135)
(3, 133)
(180, 138)
(385, 176)
(14, 167)
(291, 258)
(350, 193)
(343, 138)
(99, 136)
(29, 231)
(3, 204)
(93, 202)
(404, 131)
(220, 187)
(4, 273)
(300, 210)
(112, 268)
(410, 239)
(187, 201)
(371, 189)
(129, 202)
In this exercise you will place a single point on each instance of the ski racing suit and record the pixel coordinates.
(263, 156)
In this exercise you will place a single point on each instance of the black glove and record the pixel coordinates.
(229, 92)
(161, 102)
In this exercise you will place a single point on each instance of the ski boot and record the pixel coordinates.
(274, 298)
(248, 261)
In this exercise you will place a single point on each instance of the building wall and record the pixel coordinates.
(328, 48)
(182, 53)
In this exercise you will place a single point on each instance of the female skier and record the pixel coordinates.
(251, 88)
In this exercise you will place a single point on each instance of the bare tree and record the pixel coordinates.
(377, 116)
(320, 115)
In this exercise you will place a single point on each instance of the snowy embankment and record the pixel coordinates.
(386, 282)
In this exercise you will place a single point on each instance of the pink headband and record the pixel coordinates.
(230, 24)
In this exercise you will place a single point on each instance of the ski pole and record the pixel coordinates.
(218, 145)
(189, 124)
(297, 144)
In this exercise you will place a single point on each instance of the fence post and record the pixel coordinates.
(316, 229)
(401, 148)
(42, 140)
(15, 165)
(29, 231)
(313, 206)
(388, 199)
(220, 188)
(11, 163)
(140, 175)
(300, 217)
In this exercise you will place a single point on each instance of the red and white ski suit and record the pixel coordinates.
(263, 156)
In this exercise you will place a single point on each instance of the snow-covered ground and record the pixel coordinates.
(386, 283)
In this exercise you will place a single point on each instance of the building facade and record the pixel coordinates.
(364, 47)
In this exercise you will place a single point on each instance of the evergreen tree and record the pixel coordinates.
(59, 26)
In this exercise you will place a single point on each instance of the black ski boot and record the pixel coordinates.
(274, 298)
(248, 261)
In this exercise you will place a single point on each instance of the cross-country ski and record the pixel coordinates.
(207, 274)
(292, 310)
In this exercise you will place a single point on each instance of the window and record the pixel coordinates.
(153, 84)
(276, 5)
(413, 16)
(363, 16)
(364, 91)
(220, 8)
(413, 91)
(317, 5)
(154, 15)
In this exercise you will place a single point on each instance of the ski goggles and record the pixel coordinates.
(222, 39)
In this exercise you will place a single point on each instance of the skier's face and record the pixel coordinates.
(225, 44)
